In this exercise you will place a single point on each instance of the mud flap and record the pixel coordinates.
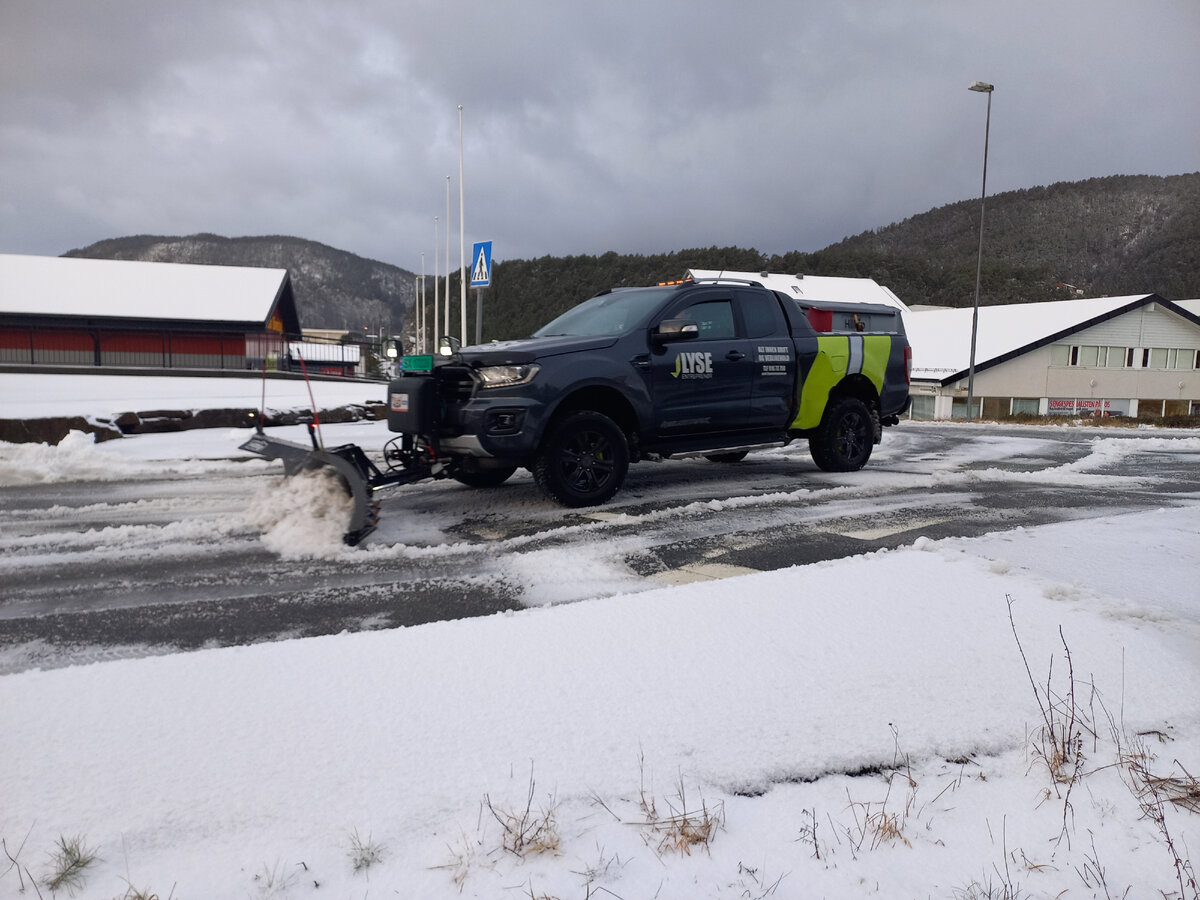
(348, 461)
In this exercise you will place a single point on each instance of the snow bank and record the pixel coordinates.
(223, 770)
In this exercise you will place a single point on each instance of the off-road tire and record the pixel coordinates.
(845, 437)
(583, 460)
(484, 478)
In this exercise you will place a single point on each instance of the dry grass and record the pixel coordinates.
(1154, 793)
(363, 853)
(525, 831)
(1065, 731)
(69, 863)
(684, 827)
(15, 865)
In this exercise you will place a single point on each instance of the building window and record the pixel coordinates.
(923, 406)
(996, 407)
(1025, 406)
(1096, 357)
(959, 408)
(1171, 358)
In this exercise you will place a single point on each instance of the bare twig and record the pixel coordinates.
(526, 832)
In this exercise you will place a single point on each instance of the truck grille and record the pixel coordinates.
(457, 383)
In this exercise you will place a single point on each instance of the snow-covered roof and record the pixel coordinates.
(941, 338)
(813, 287)
(125, 289)
(1192, 306)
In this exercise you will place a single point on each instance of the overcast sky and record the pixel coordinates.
(641, 127)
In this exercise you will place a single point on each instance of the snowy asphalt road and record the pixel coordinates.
(156, 562)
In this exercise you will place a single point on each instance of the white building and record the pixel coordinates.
(1127, 356)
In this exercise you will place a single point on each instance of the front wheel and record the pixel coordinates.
(583, 460)
(845, 437)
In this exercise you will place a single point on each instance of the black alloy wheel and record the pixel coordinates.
(583, 460)
(845, 437)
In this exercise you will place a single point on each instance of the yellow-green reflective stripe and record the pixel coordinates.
(829, 367)
(870, 354)
(876, 350)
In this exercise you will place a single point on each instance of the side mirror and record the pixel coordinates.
(448, 346)
(671, 330)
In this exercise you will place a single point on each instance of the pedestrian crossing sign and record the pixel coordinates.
(481, 269)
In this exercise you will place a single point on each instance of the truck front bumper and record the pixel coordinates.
(504, 427)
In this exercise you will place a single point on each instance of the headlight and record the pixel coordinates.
(507, 376)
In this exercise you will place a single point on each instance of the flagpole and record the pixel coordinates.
(462, 232)
(447, 300)
(436, 271)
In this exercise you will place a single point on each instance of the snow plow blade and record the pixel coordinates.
(357, 473)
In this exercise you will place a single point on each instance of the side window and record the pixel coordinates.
(715, 318)
(760, 313)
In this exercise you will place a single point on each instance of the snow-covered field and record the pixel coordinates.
(32, 396)
(862, 728)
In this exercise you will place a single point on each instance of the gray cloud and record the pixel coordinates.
(632, 126)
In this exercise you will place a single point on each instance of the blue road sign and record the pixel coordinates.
(481, 268)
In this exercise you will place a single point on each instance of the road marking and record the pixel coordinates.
(884, 531)
(701, 572)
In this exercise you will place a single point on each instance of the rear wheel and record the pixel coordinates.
(845, 437)
(484, 478)
(583, 460)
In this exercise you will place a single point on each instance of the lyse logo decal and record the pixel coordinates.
(693, 365)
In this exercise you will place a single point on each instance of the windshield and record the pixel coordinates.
(615, 313)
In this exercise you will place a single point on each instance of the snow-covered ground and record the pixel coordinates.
(35, 396)
(862, 728)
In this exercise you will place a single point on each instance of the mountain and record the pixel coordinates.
(333, 289)
(1135, 234)
(1125, 234)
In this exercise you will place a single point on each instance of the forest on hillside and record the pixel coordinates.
(1101, 237)
(1125, 234)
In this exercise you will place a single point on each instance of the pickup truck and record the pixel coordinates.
(696, 368)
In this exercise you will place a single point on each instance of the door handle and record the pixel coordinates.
(735, 355)
(641, 361)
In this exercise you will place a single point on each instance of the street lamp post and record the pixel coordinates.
(462, 235)
(446, 321)
(437, 274)
(982, 88)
